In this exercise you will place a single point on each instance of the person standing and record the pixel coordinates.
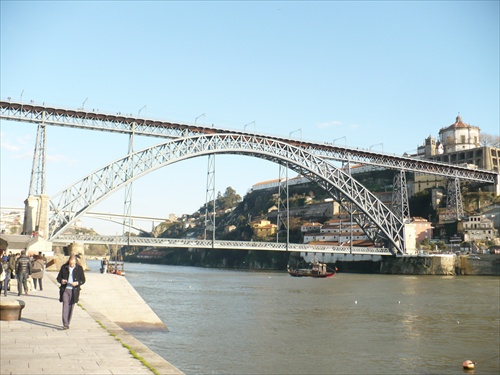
(37, 272)
(71, 277)
(23, 270)
(4, 272)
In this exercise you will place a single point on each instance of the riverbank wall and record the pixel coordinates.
(433, 264)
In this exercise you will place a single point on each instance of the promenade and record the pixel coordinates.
(94, 344)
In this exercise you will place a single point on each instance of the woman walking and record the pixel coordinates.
(37, 271)
(71, 277)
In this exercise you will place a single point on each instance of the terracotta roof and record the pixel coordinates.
(458, 124)
(265, 182)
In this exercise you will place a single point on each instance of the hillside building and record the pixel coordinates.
(477, 228)
(459, 143)
(263, 228)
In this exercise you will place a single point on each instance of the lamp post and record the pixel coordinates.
(139, 114)
(196, 119)
(378, 144)
(296, 130)
(253, 122)
(338, 139)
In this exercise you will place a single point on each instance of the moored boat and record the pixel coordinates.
(316, 269)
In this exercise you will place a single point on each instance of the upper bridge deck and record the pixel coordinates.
(95, 120)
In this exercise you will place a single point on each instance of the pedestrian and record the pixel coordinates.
(71, 277)
(104, 264)
(12, 268)
(4, 283)
(37, 272)
(23, 270)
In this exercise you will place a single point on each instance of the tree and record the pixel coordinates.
(486, 139)
(229, 200)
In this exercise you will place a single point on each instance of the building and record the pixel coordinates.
(338, 231)
(423, 229)
(459, 143)
(263, 228)
(478, 228)
(310, 227)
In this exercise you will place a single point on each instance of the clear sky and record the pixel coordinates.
(377, 74)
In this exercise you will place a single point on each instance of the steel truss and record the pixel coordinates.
(32, 113)
(74, 201)
(283, 215)
(454, 206)
(400, 205)
(210, 198)
(218, 244)
(37, 181)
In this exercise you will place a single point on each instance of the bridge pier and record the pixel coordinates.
(36, 215)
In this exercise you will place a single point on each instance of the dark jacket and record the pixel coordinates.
(12, 263)
(23, 265)
(78, 275)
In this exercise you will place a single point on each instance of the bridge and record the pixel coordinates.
(217, 244)
(183, 141)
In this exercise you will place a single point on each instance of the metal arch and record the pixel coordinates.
(72, 202)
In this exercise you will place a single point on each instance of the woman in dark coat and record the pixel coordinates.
(71, 277)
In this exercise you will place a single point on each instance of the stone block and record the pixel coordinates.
(10, 309)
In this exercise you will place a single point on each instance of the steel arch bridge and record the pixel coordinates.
(376, 219)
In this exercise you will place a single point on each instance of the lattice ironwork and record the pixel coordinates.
(37, 181)
(73, 201)
(128, 222)
(400, 205)
(219, 244)
(282, 217)
(210, 198)
(454, 206)
(32, 113)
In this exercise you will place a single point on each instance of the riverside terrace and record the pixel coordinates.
(96, 342)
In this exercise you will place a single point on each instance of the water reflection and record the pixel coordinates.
(229, 322)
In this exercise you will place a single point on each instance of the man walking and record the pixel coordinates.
(23, 270)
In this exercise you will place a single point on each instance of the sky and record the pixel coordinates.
(380, 75)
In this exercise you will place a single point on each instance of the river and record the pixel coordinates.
(234, 322)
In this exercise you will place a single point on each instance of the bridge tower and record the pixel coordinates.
(127, 210)
(210, 197)
(283, 216)
(36, 212)
(400, 205)
(454, 206)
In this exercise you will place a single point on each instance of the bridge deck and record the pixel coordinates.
(218, 244)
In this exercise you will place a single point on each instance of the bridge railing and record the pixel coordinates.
(217, 244)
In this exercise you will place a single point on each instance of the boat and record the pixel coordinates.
(315, 269)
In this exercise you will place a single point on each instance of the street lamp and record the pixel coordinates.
(296, 130)
(139, 114)
(337, 139)
(196, 119)
(253, 122)
(378, 144)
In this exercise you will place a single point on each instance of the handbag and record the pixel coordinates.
(2, 276)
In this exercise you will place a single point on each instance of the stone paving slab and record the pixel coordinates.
(37, 344)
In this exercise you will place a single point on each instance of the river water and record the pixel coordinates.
(235, 322)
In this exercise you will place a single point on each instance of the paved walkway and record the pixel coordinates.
(94, 344)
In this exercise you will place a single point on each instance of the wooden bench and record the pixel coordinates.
(10, 309)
